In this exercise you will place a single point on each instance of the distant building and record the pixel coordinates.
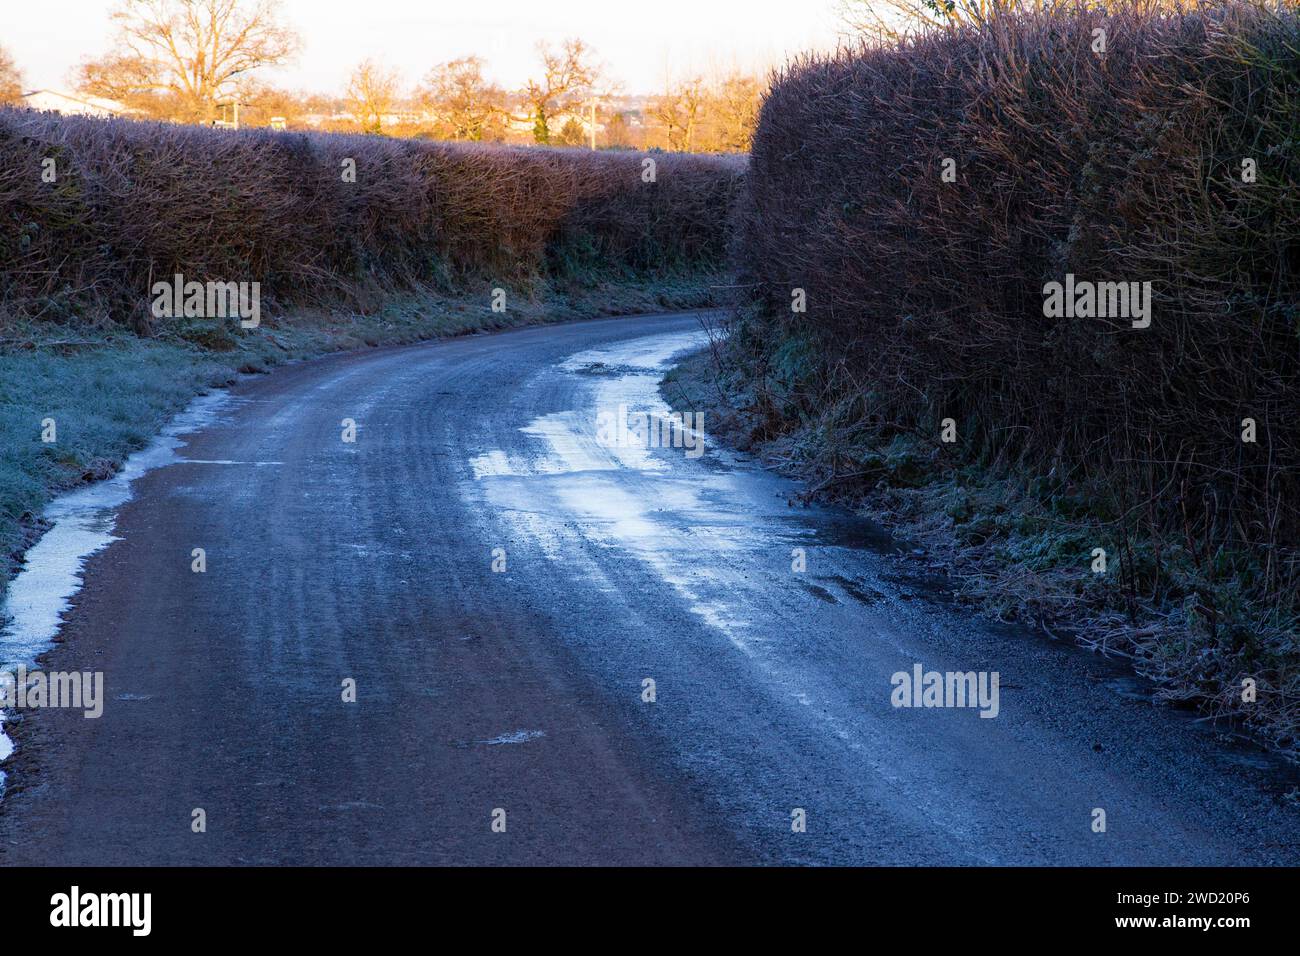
(70, 105)
(343, 119)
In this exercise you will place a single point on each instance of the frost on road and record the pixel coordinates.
(638, 650)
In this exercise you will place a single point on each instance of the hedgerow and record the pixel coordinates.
(1169, 156)
(126, 203)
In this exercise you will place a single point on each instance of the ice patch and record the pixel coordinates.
(492, 465)
(82, 523)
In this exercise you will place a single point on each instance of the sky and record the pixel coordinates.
(641, 42)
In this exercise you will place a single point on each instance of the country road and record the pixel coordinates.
(522, 689)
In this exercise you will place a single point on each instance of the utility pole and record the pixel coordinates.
(592, 125)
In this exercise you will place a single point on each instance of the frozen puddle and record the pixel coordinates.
(82, 523)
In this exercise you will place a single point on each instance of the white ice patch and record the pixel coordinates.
(570, 439)
(572, 447)
(518, 737)
(492, 465)
(652, 353)
(82, 524)
(574, 475)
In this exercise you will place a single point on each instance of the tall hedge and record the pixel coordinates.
(925, 297)
(132, 202)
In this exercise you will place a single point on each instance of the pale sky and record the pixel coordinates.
(639, 41)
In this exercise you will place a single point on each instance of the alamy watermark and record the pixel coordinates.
(1082, 299)
(74, 909)
(922, 688)
(22, 689)
(620, 428)
(208, 300)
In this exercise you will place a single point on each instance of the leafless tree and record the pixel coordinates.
(466, 105)
(569, 77)
(735, 101)
(188, 54)
(678, 110)
(371, 93)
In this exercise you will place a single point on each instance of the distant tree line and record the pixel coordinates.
(196, 61)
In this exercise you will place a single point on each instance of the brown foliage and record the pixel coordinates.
(136, 202)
